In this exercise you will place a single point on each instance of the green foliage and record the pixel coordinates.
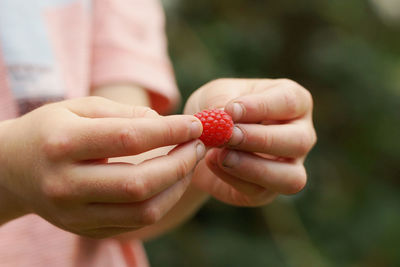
(350, 61)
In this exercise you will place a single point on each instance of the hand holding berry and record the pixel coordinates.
(60, 168)
(273, 133)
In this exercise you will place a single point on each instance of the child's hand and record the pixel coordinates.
(54, 162)
(273, 134)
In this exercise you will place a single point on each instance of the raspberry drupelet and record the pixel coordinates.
(217, 127)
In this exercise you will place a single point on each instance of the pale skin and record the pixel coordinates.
(58, 170)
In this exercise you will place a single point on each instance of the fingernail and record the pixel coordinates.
(237, 136)
(196, 128)
(237, 111)
(231, 159)
(200, 150)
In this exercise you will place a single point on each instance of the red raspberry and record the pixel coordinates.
(217, 127)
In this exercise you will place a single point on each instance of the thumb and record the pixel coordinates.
(99, 107)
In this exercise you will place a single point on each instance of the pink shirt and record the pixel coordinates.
(87, 43)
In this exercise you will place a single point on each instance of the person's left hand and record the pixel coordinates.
(272, 136)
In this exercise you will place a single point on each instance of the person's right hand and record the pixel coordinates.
(54, 161)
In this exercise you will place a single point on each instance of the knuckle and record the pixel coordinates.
(295, 92)
(308, 97)
(298, 182)
(128, 138)
(150, 215)
(55, 191)
(305, 143)
(291, 101)
(168, 134)
(267, 142)
(136, 189)
(57, 144)
(264, 107)
(313, 138)
(182, 169)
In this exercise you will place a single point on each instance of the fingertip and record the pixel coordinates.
(237, 137)
(236, 110)
(195, 124)
(211, 157)
(181, 128)
(230, 159)
(196, 128)
(200, 150)
(216, 156)
(220, 155)
(192, 151)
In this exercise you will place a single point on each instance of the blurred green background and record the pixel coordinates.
(347, 53)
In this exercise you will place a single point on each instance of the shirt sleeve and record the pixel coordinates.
(130, 46)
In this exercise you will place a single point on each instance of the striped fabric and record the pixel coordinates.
(76, 45)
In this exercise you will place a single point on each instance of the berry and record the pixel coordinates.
(217, 127)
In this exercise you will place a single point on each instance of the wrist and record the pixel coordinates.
(10, 205)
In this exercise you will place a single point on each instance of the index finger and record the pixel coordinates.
(284, 100)
(116, 137)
